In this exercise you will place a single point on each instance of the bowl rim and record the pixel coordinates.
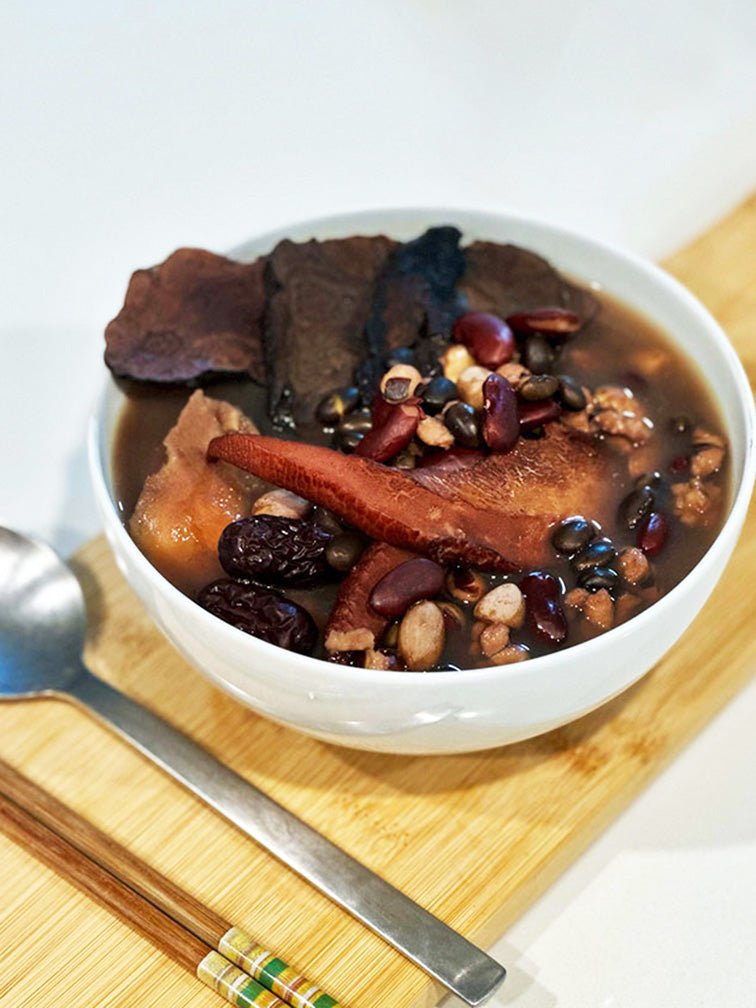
(391, 680)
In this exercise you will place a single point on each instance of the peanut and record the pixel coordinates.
(422, 636)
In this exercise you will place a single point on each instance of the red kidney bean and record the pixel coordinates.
(679, 464)
(545, 614)
(652, 533)
(533, 414)
(384, 442)
(381, 409)
(500, 423)
(552, 321)
(488, 338)
(412, 580)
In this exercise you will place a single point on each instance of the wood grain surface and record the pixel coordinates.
(473, 838)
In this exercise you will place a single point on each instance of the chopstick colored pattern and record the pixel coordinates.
(235, 986)
(265, 966)
(172, 919)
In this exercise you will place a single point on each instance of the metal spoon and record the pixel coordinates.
(42, 628)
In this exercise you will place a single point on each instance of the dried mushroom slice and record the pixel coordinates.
(504, 279)
(415, 296)
(319, 298)
(194, 316)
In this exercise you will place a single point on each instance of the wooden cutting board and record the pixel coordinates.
(474, 838)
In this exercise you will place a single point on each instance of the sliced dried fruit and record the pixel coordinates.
(184, 507)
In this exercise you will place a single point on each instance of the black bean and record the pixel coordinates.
(598, 577)
(448, 667)
(462, 421)
(396, 390)
(649, 479)
(326, 519)
(570, 394)
(262, 613)
(348, 440)
(538, 386)
(599, 553)
(360, 421)
(636, 506)
(400, 355)
(573, 534)
(538, 355)
(336, 405)
(437, 393)
(343, 551)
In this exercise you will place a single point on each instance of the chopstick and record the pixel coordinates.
(223, 956)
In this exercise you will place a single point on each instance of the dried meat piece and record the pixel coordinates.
(353, 624)
(319, 298)
(495, 515)
(532, 487)
(415, 296)
(184, 507)
(195, 315)
(504, 279)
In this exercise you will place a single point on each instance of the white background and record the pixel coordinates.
(128, 129)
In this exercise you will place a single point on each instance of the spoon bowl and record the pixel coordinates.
(42, 619)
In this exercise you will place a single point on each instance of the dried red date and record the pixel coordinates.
(488, 338)
(275, 550)
(262, 613)
(544, 611)
(500, 424)
(415, 579)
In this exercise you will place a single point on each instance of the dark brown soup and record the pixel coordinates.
(662, 501)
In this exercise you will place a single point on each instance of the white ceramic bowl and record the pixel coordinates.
(413, 712)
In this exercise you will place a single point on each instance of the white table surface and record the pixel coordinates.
(129, 129)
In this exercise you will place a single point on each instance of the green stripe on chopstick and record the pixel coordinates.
(269, 969)
(235, 986)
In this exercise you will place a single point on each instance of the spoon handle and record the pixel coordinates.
(446, 955)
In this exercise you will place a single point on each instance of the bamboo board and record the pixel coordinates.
(473, 838)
